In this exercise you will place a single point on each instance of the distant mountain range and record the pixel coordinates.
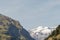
(11, 29)
(40, 33)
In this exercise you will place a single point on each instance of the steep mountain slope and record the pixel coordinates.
(55, 35)
(40, 33)
(12, 30)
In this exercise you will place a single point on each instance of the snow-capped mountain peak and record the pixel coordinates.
(41, 29)
(41, 32)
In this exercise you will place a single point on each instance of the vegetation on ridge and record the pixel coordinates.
(55, 35)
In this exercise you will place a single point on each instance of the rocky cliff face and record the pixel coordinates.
(55, 35)
(12, 30)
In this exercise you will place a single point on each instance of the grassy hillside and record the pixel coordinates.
(12, 30)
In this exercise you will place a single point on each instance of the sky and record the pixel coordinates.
(32, 13)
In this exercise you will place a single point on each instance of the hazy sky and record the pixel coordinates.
(32, 13)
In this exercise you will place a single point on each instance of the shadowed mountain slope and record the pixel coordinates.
(12, 30)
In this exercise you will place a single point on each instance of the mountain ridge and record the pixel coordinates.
(11, 29)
